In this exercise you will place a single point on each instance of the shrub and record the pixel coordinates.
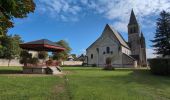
(34, 61)
(108, 64)
(108, 68)
(94, 65)
(160, 66)
(25, 57)
(49, 62)
(84, 64)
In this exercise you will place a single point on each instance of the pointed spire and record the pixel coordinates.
(142, 34)
(132, 20)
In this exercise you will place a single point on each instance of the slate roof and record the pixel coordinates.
(117, 35)
(43, 41)
(132, 20)
(42, 45)
(129, 57)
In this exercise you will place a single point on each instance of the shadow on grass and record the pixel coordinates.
(8, 71)
(142, 77)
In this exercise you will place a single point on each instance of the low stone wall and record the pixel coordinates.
(72, 63)
(14, 62)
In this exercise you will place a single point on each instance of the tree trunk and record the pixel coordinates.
(9, 62)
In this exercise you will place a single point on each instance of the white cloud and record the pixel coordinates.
(150, 53)
(64, 10)
(118, 10)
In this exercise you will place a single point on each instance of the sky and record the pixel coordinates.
(81, 22)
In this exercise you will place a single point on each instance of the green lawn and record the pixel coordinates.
(84, 84)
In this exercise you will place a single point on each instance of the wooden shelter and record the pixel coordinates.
(41, 45)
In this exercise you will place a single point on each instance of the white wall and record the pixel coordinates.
(72, 63)
(102, 43)
(14, 62)
(126, 51)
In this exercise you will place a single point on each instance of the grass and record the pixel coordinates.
(16, 86)
(82, 83)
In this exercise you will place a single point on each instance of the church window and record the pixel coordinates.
(97, 49)
(134, 29)
(131, 30)
(91, 56)
(108, 50)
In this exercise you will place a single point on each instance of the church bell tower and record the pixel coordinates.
(134, 37)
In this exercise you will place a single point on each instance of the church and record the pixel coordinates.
(122, 53)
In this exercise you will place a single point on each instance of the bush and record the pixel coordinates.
(84, 64)
(49, 62)
(34, 61)
(94, 65)
(109, 68)
(25, 57)
(160, 66)
(108, 64)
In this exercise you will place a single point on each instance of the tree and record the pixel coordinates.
(64, 54)
(10, 47)
(74, 56)
(25, 57)
(162, 36)
(42, 55)
(10, 9)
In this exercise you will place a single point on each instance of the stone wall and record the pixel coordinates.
(14, 62)
(128, 61)
(72, 63)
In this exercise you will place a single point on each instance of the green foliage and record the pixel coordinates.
(74, 56)
(64, 54)
(162, 36)
(25, 57)
(42, 55)
(160, 66)
(10, 9)
(34, 61)
(10, 47)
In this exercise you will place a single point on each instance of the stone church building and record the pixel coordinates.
(123, 54)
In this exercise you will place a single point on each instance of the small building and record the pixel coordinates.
(41, 68)
(70, 58)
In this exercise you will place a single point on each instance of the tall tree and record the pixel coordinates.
(25, 57)
(10, 9)
(64, 54)
(162, 36)
(10, 47)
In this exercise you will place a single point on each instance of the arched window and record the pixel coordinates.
(131, 30)
(108, 50)
(91, 56)
(134, 29)
(97, 49)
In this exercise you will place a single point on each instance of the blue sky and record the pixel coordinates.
(81, 22)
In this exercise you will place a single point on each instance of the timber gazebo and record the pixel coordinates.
(42, 45)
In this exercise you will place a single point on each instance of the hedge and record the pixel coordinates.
(160, 66)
